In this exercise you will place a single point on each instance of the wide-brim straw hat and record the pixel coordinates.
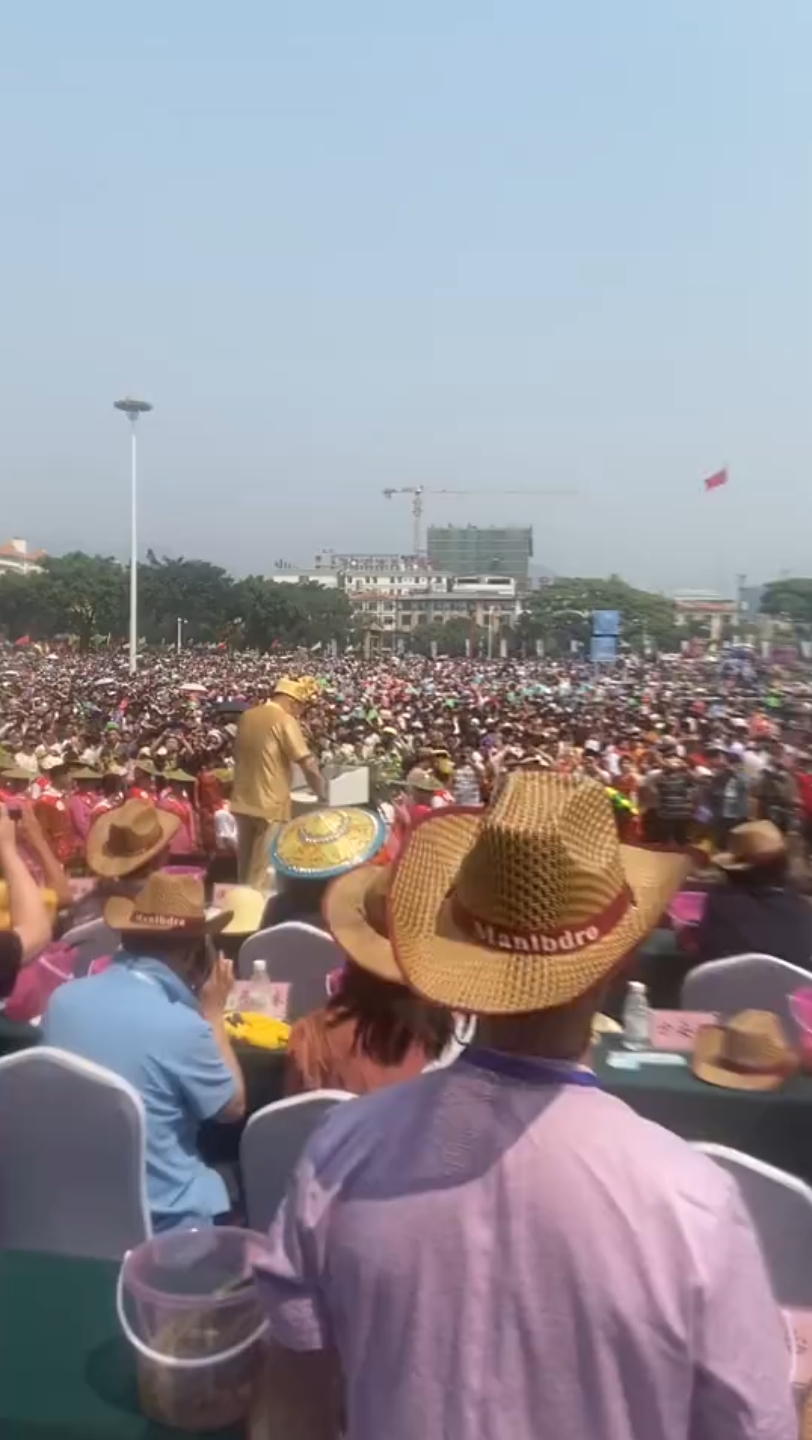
(325, 843)
(170, 906)
(124, 839)
(756, 842)
(749, 1052)
(247, 906)
(528, 905)
(355, 912)
(16, 772)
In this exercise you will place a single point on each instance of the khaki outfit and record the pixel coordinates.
(269, 742)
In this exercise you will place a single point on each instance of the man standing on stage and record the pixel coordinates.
(269, 741)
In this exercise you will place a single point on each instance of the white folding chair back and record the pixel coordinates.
(271, 1144)
(297, 955)
(72, 1157)
(744, 982)
(780, 1208)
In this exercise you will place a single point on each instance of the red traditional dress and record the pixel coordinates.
(52, 811)
(210, 797)
(80, 806)
(185, 840)
(138, 792)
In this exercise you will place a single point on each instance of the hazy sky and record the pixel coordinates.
(450, 242)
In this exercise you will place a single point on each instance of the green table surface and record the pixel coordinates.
(66, 1373)
(774, 1125)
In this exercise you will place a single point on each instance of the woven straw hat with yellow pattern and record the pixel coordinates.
(324, 843)
(527, 905)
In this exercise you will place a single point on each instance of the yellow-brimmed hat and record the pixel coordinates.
(247, 906)
(526, 906)
(324, 843)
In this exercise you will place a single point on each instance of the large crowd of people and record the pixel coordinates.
(461, 1249)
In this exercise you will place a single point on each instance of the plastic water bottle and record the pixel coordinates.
(636, 1017)
(259, 989)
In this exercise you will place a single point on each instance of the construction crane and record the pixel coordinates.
(418, 491)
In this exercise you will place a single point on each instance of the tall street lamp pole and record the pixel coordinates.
(132, 409)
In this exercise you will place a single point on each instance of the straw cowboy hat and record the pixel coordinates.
(301, 690)
(355, 912)
(325, 843)
(756, 842)
(128, 837)
(749, 1052)
(527, 905)
(172, 906)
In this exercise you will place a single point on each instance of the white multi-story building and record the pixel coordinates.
(483, 599)
(370, 564)
(16, 557)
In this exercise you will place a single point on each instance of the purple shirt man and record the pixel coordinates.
(498, 1259)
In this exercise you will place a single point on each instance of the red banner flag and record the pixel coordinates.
(712, 482)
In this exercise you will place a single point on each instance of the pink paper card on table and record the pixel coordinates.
(678, 1029)
(276, 998)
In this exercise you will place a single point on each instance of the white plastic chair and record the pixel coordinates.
(298, 955)
(270, 1147)
(744, 982)
(780, 1208)
(72, 1157)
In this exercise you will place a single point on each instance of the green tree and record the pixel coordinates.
(20, 605)
(789, 599)
(200, 594)
(81, 595)
(562, 612)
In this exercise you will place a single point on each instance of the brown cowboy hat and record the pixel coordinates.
(749, 1052)
(124, 839)
(354, 910)
(526, 906)
(756, 842)
(172, 906)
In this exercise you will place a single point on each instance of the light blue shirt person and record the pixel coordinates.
(140, 1020)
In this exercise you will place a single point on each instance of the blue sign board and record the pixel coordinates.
(602, 649)
(606, 622)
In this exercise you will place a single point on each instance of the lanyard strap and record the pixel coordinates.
(529, 1069)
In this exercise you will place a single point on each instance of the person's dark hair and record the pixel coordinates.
(761, 877)
(389, 1018)
(11, 959)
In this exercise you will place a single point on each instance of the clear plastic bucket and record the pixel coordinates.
(189, 1307)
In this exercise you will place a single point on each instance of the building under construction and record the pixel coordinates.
(481, 550)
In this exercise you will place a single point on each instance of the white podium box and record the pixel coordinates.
(346, 787)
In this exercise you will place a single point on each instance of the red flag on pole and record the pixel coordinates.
(712, 482)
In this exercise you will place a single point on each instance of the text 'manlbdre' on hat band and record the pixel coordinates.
(565, 941)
